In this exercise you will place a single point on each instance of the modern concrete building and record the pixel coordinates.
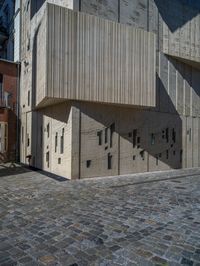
(110, 87)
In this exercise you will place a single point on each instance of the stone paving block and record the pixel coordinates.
(186, 261)
(99, 223)
(5, 246)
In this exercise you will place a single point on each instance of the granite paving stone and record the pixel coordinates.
(145, 219)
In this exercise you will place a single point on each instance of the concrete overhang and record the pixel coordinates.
(82, 57)
(189, 62)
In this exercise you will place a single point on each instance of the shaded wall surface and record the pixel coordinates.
(176, 23)
(135, 140)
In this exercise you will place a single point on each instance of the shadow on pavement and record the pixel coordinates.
(10, 169)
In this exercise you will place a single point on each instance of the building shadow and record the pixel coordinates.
(150, 139)
(35, 6)
(176, 13)
(189, 73)
(12, 169)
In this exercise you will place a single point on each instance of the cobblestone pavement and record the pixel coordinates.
(131, 220)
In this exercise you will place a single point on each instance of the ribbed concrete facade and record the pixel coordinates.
(111, 87)
(88, 58)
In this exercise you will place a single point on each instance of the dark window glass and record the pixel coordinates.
(167, 134)
(106, 135)
(28, 98)
(112, 130)
(109, 161)
(56, 141)
(99, 134)
(88, 163)
(134, 137)
(62, 142)
(47, 159)
(153, 139)
(48, 130)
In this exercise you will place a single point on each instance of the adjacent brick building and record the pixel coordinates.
(8, 110)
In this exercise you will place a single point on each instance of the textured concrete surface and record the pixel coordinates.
(176, 25)
(129, 220)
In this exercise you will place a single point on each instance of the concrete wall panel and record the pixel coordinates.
(108, 62)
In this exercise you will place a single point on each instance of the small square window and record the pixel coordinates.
(88, 163)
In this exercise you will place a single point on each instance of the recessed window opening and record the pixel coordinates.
(28, 98)
(134, 137)
(167, 154)
(173, 135)
(153, 139)
(167, 134)
(112, 130)
(56, 141)
(106, 135)
(88, 163)
(47, 159)
(28, 44)
(62, 142)
(48, 130)
(163, 134)
(142, 155)
(28, 140)
(99, 134)
(109, 161)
